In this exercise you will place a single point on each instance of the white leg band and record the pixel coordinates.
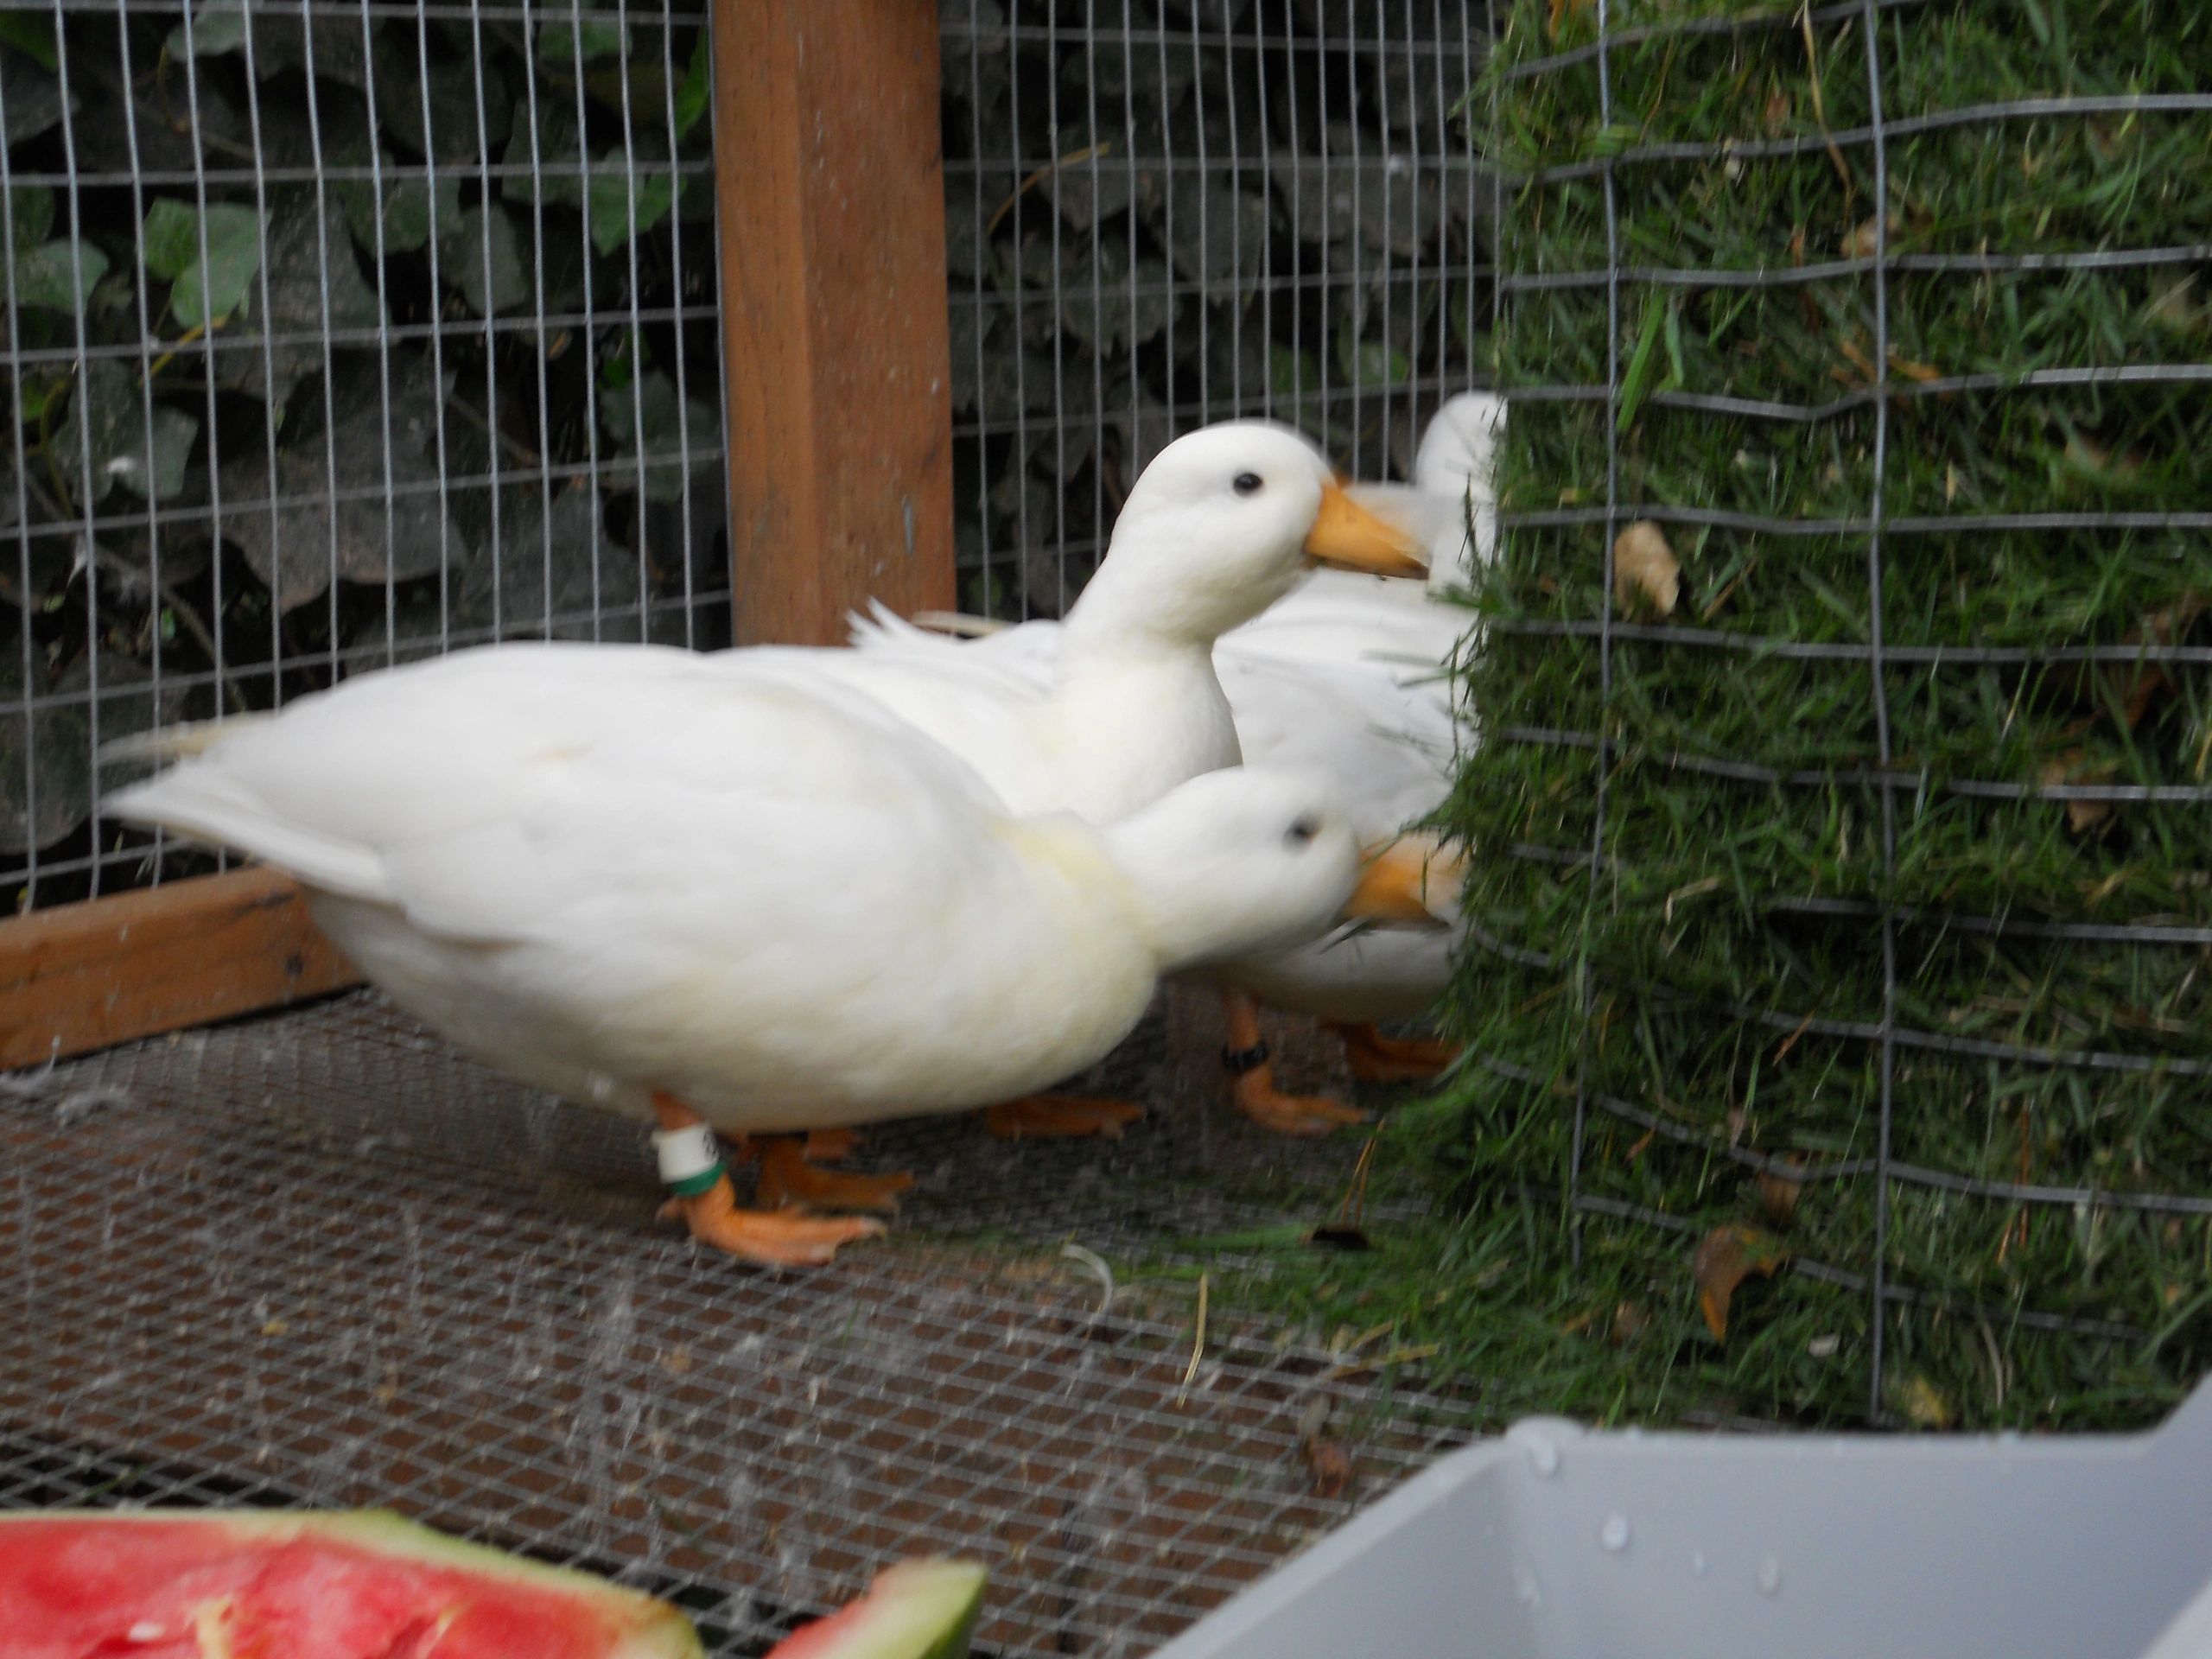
(686, 1154)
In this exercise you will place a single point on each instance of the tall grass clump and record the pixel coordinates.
(1826, 977)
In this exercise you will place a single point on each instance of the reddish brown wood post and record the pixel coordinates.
(82, 977)
(831, 194)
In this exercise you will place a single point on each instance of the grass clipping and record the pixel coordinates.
(1709, 1003)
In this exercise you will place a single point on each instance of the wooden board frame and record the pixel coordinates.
(830, 209)
(830, 173)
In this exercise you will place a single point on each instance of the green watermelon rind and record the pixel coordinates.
(646, 1627)
(924, 1609)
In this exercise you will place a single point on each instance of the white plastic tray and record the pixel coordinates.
(1556, 1542)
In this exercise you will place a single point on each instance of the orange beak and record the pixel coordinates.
(1415, 879)
(1349, 536)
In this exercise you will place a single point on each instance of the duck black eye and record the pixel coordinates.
(1247, 483)
(1301, 832)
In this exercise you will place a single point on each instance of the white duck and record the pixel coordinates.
(1345, 675)
(694, 894)
(1221, 524)
(1348, 677)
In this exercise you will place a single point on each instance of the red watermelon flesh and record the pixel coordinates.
(180, 1584)
(917, 1610)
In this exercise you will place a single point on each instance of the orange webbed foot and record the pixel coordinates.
(1255, 1095)
(1373, 1057)
(774, 1238)
(1038, 1117)
(790, 1173)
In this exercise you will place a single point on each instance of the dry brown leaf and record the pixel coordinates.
(1630, 1321)
(1923, 372)
(1778, 1195)
(1725, 1257)
(1331, 1463)
(1645, 572)
(2135, 689)
(1865, 238)
(2176, 308)
(2072, 767)
(1920, 1403)
(2090, 456)
(1861, 359)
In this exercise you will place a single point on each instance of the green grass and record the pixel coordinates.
(1675, 991)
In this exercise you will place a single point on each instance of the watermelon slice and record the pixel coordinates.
(197, 1584)
(917, 1610)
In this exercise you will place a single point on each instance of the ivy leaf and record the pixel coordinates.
(32, 34)
(591, 572)
(217, 27)
(1370, 363)
(610, 197)
(487, 239)
(450, 137)
(410, 202)
(31, 206)
(313, 283)
(1097, 305)
(559, 45)
(170, 246)
(376, 457)
(31, 97)
(646, 412)
(51, 277)
(692, 96)
(53, 746)
(1293, 373)
(106, 430)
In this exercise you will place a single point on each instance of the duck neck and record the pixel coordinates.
(1122, 614)
(1175, 911)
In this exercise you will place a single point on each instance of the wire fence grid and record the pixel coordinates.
(1639, 270)
(1164, 212)
(335, 334)
(339, 332)
(321, 1260)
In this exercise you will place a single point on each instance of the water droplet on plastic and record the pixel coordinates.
(1770, 1576)
(1698, 1564)
(1613, 1534)
(1526, 1589)
(1543, 1456)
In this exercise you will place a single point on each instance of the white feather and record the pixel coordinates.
(612, 870)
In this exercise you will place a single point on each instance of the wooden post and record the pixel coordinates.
(82, 977)
(831, 195)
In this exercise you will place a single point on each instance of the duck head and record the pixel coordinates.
(1250, 859)
(1224, 522)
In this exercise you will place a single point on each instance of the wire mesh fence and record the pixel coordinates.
(335, 332)
(1846, 707)
(321, 1260)
(339, 332)
(1164, 212)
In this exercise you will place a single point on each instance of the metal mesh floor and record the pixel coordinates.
(320, 1259)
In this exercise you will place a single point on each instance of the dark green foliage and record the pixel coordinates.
(248, 305)
(1162, 211)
